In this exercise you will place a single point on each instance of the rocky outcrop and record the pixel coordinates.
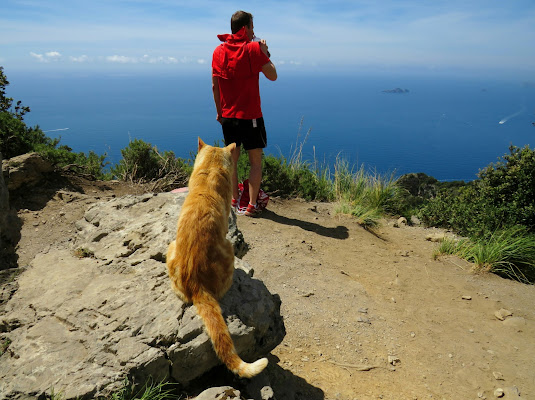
(132, 229)
(4, 204)
(90, 315)
(9, 235)
(25, 170)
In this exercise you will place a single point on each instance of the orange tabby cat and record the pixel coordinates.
(200, 261)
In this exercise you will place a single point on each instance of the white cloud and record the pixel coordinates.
(356, 32)
(53, 55)
(47, 57)
(289, 62)
(158, 60)
(80, 59)
(144, 59)
(39, 57)
(121, 59)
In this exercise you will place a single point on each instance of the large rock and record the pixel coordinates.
(131, 229)
(80, 326)
(4, 204)
(25, 170)
(9, 232)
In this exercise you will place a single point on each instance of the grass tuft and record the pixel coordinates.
(509, 253)
(368, 196)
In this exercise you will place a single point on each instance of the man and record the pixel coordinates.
(236, 65)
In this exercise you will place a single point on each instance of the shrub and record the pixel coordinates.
(509, 185)
(90, 164)
(416, 189)
(502, 197)
(16, 138)
(277, 177)
(143, 163)
(294, 180)
(139, 162)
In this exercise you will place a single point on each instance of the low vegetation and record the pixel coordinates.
(150, 391)
(508, 252)
(495, 213)
(502, 197)
(142, 162)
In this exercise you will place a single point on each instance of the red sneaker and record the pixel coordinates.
(252, 210)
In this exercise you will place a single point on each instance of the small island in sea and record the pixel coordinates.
(396, 90)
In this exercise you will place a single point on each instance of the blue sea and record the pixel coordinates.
(447, 127)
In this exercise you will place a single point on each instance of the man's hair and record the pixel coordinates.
(239, 20)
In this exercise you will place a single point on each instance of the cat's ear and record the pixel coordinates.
(201, 144)
(232, 148)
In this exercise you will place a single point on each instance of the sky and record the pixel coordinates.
(326, 36)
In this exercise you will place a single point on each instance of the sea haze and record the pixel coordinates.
(448, 128)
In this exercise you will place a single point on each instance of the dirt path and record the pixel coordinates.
(367, 316)
(375, 317)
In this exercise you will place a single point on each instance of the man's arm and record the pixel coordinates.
(268, 69)
(217, 98)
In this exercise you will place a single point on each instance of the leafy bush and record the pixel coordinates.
(509, 185)
(277, 178)
(295, 180)
(15, 137)
(415, 191)
(142, 163)
(502, 197)
(88, 164)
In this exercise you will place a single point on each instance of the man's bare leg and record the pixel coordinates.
(255, 174)
(235, 157)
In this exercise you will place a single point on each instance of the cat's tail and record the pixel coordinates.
(209, 310)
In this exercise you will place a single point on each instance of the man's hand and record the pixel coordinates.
(264, 47)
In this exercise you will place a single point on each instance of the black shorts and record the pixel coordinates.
(249, 132)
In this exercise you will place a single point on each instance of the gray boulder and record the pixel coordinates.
(25, 170)
(131, 229)
(220, 393)
(89, 316)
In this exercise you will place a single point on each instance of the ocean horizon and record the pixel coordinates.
(446, 127)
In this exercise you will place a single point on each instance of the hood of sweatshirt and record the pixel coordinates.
(238, 37)
(231, 58)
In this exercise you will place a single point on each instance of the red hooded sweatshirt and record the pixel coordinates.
(237, 63)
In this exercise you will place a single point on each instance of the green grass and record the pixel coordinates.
(4, 345)
(366, 195)
(150, 391)
(509, 253)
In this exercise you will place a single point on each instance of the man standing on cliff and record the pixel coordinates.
(236, 65)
